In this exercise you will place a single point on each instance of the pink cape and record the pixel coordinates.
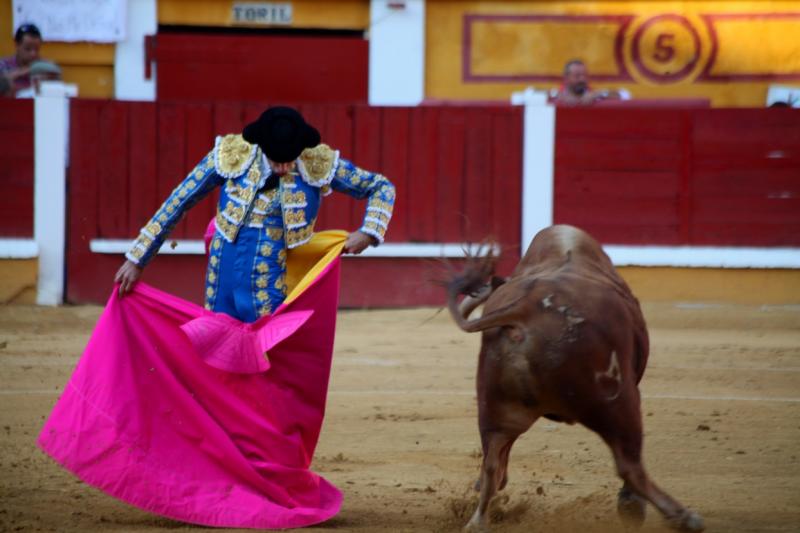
(160, 414)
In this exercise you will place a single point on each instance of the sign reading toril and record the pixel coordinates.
(262, 13)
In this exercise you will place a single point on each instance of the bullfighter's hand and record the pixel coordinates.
(357, 242)
(127, 276)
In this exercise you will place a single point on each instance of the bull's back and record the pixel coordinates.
(558, 244)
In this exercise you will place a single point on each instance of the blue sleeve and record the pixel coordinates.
(376, 188)
(200, 181)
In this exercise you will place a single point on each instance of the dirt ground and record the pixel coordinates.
(721, 399)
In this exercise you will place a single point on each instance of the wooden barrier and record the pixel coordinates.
(457, 172)
(722, 177)
(16, 168)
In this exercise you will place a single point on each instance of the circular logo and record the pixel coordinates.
(666, 48)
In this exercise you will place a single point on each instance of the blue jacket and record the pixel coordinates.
(241, 170)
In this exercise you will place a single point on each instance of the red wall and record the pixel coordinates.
(628, 176)
(16, 168)
(204, 67)
(724, 177)
(457, 172)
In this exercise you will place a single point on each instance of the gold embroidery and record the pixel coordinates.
(373, 227)
(264, 310)
(210, 292)
(154, 228)
(234, 212)
(199, 174)
(207, 306)
(136, 252)
(217, 243)
(261, 282)
(214, 260)
(233, 153)
(379, 216)
(275, 234)
(318, 163)
(225, 227)
(262, 268)
(295, 237)
(190, 185)
(295, 216)
(261, 296)
(294, 198)
(254, 175)
(212, 277)
(144, 240)
(266, 250)
(379, 204)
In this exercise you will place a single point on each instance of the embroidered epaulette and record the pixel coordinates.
(233, 155)
(317, 165)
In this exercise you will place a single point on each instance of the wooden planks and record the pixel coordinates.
(16, 168)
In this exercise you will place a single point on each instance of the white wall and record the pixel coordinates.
(51, 120)
(538, 149)
(129, 80)
(397, 53)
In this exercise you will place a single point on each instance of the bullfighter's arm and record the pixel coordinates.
(376, 188)
(200, 181)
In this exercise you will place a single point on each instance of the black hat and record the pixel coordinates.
(281, 133)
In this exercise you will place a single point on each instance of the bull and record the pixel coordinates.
(563, 338)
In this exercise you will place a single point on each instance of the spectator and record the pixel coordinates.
(16, 68)
(576, 91)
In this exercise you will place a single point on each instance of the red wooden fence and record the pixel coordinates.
(723, 177)
(457, 172)
(16, 168)
(628, 176)
(298, 68)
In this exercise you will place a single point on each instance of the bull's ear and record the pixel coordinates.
(497, 281)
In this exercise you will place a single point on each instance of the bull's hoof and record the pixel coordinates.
(688, 521)
(631, 508)
(475, 526)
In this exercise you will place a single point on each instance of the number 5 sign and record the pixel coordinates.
(666, 48)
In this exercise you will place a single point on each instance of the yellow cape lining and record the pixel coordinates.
(304, 263)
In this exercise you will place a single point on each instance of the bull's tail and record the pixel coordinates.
(477, 283)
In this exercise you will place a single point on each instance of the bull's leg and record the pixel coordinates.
(621, 428)
(631, 507)
(496, 447)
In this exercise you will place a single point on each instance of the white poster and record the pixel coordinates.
(99, 21)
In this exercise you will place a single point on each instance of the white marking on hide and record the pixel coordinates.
(613, 373)
(547, 301)
(574, 320)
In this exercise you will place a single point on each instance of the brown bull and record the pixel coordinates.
(563, 338)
